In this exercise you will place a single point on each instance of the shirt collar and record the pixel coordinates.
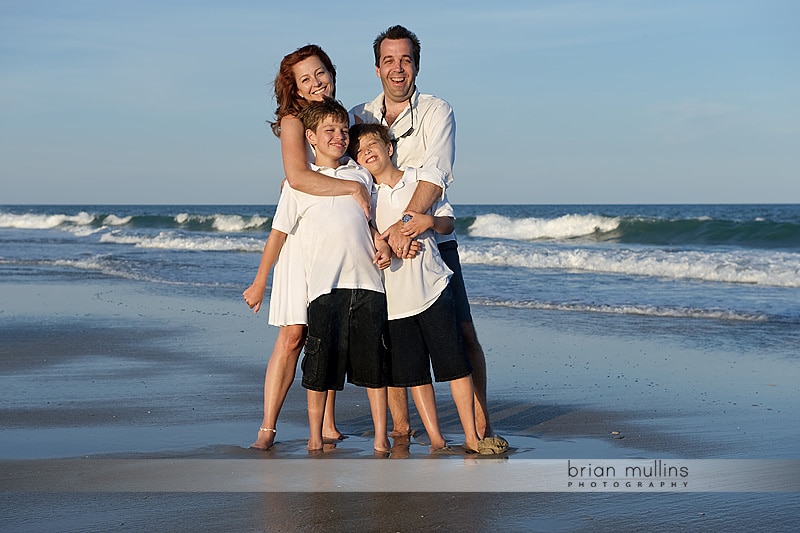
(413, 101)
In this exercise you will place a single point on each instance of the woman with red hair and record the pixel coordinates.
(305, 75)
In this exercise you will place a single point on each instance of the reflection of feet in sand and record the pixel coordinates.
(265, 440)
(401, 448)
(326, 447)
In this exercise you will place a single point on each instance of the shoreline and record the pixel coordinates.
(115, 370)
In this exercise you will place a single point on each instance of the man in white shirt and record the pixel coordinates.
(423, 128)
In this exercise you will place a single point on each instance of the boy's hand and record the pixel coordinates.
(253, 296)
(414, 249)
(417, 224)
(383, 254)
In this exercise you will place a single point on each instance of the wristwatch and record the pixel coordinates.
(406, 218)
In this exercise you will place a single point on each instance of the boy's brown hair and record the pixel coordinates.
(361, 130)
(315, 112)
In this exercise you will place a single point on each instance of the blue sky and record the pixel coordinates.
(166, 101)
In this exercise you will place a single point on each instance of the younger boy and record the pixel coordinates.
(423, 328)
(347, 309)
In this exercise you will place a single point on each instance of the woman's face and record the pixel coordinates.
(313, 80)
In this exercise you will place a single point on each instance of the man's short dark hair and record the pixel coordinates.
(394, 33)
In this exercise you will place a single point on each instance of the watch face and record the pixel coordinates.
(406, 218)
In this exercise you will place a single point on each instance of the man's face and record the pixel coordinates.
(396, 69)
(331, 138)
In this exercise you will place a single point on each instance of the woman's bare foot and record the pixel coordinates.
(265, 440)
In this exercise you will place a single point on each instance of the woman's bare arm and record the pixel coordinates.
(302, 178)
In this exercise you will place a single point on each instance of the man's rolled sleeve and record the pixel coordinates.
(433, 175)
(440, 135)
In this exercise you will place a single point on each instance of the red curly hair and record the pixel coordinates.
(285, 86)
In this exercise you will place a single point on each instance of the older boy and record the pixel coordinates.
(423, 328)
(347, 309)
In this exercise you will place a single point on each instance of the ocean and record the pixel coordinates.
(716, 273)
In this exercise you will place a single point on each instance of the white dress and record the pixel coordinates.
(288, 299)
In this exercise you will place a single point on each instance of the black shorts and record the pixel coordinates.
(449, 252)
(345, 337)
(432, 337)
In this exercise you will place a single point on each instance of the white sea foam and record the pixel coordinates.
(175, 241)
(83, 231)
(233, 223)
(564, 227)
(759, 268)
(102, 266)
(224, 223)
(114, 220)
(39, 221)
(637, 310)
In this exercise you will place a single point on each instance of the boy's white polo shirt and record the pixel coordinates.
(337, 245)
(412, 285)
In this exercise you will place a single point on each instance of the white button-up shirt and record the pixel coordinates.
(425, 134)
(431, 143)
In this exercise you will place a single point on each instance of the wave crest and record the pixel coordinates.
(563, 227)
(41, 221)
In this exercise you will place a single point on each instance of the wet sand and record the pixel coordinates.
(100, 371)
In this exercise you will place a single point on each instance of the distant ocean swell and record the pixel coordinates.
(703, 231)
(181, 221)
(757, 251)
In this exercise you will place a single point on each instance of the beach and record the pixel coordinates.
(104, 370)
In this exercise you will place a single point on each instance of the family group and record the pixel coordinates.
(366, 274)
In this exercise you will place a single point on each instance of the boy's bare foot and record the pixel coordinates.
(333, 437)
(441, 450)
(438, 445)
